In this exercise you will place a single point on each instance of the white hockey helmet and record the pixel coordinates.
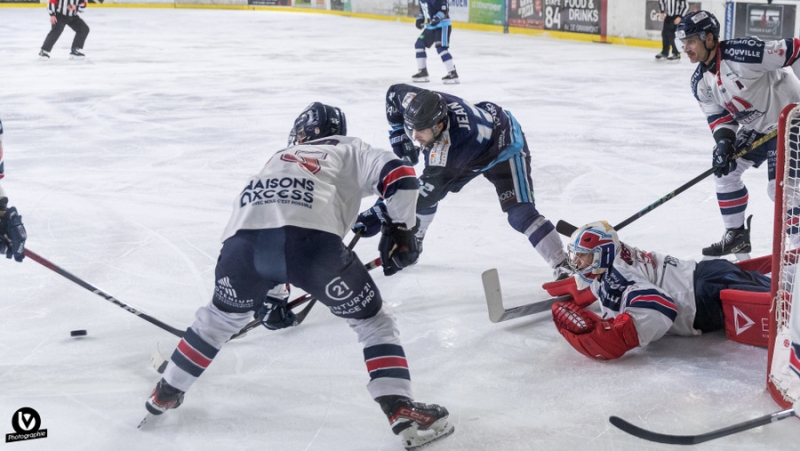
(598, 239)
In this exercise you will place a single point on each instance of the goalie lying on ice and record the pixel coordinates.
(643, 295)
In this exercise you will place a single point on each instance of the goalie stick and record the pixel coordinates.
(699, 438)
(494, 300)
(565, 228)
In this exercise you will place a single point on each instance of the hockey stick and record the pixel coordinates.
(563, 227)
(61, 271)
(494, 300)
(699, 438)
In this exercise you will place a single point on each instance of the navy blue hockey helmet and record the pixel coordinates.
(697, 23)
(318, 121)
(425, 110)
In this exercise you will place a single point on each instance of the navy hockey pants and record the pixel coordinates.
(713, 276)
(254, 261)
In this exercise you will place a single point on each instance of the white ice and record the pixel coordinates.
(125, 165)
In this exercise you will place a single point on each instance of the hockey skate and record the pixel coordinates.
(418, 424)
(421, 76)
(44, 55)
(734, 241)
(451, 78)
(675, 58)
(661, 56)
(76, 54)
(163, 398)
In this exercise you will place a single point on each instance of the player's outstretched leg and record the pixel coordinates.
(418, 424)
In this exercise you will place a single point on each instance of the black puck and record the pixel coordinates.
(77, 333)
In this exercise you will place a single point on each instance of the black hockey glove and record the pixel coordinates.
(12, 234)
(403, 147)
(274, 314)
(370, 220)
(398, 248)
(722, 163)
(435, 20)
(420, 22)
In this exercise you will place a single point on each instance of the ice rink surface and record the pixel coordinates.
(125, 166)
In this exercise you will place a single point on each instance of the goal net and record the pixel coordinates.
(783, 384)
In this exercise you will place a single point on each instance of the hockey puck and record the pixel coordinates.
(77, 333)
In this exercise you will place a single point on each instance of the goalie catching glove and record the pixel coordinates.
(398, 247)
(593, 336)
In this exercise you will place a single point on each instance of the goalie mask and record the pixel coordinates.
(592, 249)
(318, 121)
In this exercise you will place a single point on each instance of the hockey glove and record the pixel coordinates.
(722, 163)
(420, 22)
(398, 247)
(403, 147)
(592, 336)
(12, 234)
(274, 314)
(436, 19)
(370, 220)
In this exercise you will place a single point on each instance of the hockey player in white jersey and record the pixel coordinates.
(742, 85)
(12, 231)
(287, 227)
(643, 295)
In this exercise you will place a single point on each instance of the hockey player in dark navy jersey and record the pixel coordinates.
(461, 141)
(741, 85)
(434, 21)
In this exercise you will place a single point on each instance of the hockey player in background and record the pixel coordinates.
(63, 13)
(461, 141)
(742, 86)
(437, 32)
(12, 231)
(287, 227)
(643, 295)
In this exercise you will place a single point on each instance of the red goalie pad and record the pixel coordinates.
(592, 336)
(583, 298)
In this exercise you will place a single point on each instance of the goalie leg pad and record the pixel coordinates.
(593, 337)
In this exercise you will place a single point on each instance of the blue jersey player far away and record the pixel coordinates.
(434, 21)
(461, 141)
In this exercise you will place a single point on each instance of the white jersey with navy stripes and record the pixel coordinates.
(656, 290)
(751, 82)
(319, 185)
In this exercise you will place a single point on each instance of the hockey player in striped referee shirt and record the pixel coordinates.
(65, 13)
